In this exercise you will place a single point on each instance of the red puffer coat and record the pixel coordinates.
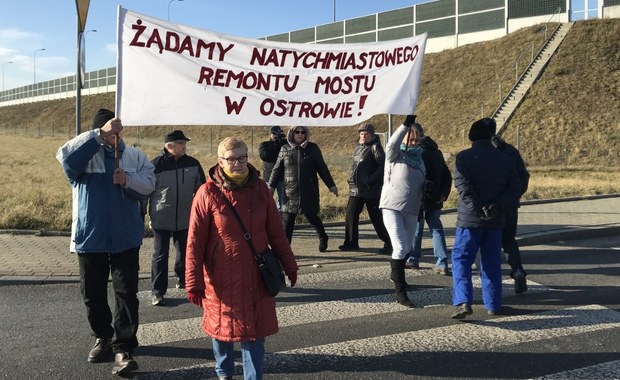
(220, 262)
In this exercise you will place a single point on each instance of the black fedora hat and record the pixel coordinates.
(176, 136)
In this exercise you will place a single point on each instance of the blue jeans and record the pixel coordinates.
(440, 249)
(467, 242)
(401, 228)
(252, 357)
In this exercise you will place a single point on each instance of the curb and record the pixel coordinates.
(534, 238)
(333, 224)
(568, 234)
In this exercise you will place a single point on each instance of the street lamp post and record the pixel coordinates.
(34, 64)
(171, 1)
(83, 49)
(334, 10)
(79, 75)
(5, 63)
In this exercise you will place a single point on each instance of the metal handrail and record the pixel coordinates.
(523, 74)
(513, 70)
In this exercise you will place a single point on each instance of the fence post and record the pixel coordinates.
(518, 135)
(516, 70)
(500, 92)
(252, 139)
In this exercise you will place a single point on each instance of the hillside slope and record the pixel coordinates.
(571, 115)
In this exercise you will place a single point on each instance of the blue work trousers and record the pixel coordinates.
(467, 242)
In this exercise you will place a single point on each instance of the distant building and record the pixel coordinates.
(449, 24)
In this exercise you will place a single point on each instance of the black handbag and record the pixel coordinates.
(268, 263)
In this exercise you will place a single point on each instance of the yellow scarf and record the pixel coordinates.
(238, 179)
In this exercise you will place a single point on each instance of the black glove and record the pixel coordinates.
(409, 120)
(489, 212)
(430, 191)
(429, 186)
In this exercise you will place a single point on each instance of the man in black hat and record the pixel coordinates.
(509, 241)
(268, 152)
(109, 180)
(486, 181)
(178, 176)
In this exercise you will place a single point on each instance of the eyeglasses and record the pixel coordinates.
(234, 160)
(300, 132)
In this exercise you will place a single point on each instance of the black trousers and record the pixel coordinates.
(288, 220)
(352, 221)
(94, 271)
(509, 241)
(159, 261)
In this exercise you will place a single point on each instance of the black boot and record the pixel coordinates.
(323, 243)
(398, 276)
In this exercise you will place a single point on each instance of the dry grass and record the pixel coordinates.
(569, 125)
(38, 196)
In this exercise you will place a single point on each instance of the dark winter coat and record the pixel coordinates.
(268, 153)
(298, 166)
(220, 263)
(438, 176)
(483, 175)
(366, 177)
(522, 173)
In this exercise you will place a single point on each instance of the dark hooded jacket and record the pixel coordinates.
(268, 153)
(438, 176)
(298, 166)
(484, 175)
(522, 173)
(366, 177)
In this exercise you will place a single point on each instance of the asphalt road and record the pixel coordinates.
(341, 322)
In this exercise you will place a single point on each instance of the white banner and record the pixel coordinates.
(171, 74)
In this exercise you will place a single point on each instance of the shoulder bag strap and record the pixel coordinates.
(246, 234)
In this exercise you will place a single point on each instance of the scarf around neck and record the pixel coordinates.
(413, 155)
(238, 179)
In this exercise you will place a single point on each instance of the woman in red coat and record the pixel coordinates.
(222, 275)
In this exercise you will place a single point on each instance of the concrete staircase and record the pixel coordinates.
(515, 96)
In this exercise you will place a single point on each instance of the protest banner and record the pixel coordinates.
(173, 74)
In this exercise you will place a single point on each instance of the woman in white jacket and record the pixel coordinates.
(401, 198)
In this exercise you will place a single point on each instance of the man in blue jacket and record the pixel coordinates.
(487, 182)
(109, 180)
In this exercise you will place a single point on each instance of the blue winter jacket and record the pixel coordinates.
(106, 217)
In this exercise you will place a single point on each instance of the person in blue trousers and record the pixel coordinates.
(486, 181)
